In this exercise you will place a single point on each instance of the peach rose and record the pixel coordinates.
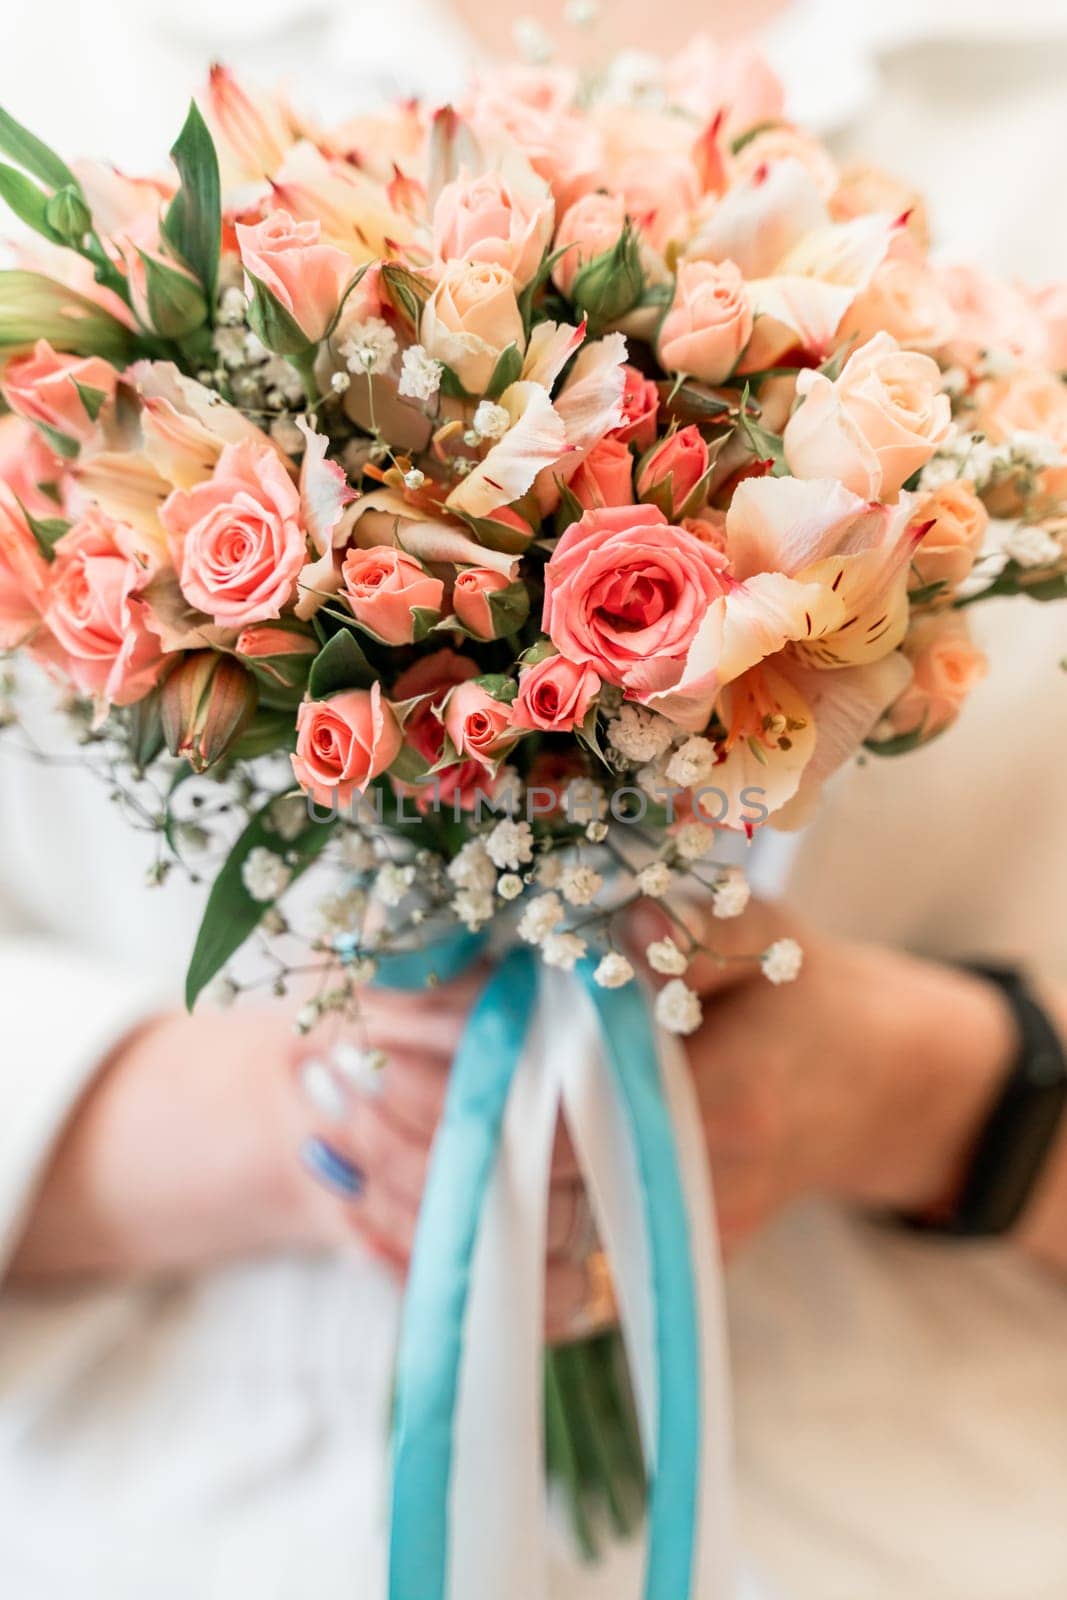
(946, 667)
(24, 574)
(469, 321)
(605, 476)
(640, 409)
(430, 682)
(709, 322)
(237, 539)
(306, 277)
(384, 585)
(1051, 306)
(990, 315)
(470, 599)
(951, 544)
(1025, 400)
(623, 586)
(904, 299)
(95, 612)
(679, 462)
(872, 427)
(555, 695)
(480, 728)
(44, 388)
(589, 228)
(863, 189)
(344, 743)
(784, 142)
(490, 220)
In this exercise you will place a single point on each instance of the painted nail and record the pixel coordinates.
(361, 1069)
(332, 1168)
(323, 1090)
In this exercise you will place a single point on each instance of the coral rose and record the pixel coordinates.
(344, 743)
(384, 586)
(953, 540)
(237, 539)
(471, 602)
(946, 667)
(605, 476)
(479, 726)
(640, 408)
(678, 463)
(430, 681)
(60, 391)
(555, 695)
(623, 587)
(24, 574)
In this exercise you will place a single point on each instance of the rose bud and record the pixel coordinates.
(292, 269)
(672, 471)
(479, 726)
(488, 604)
(554, 695)
(385, 587)
(956, 523)
(589, 228)
(205, 704)
(279, 656)
(344, 743)
(605, 477)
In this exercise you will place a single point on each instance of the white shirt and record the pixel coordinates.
(900, 1404)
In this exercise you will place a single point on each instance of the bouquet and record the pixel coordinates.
(496, 507)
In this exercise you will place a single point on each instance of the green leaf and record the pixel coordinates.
(33, 155)
(509, 607)
(500, 685)
(33, 307)
(340, 664)
(507, 371)
(193, 224)
(61, 443)
(176, 304)
(92, 399)
(497, 535)
(232, 915)
(408, 292)
(690, 402)
(765, 445)
(425, 620)
(47, 531)
(274, 325)
(900, 744)
(269, 731)
(29, 203)
(409, 766)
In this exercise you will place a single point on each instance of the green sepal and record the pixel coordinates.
(340, 664)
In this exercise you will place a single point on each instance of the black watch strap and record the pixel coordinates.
(1021, 1127)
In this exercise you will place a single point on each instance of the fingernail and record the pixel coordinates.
(360, 1069)
(332, 1168)
(324, 1090)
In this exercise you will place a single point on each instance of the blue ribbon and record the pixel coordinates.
(431, 1342)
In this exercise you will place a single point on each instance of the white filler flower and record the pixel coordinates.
(678, 1007)
(782, 961)
(264, 874)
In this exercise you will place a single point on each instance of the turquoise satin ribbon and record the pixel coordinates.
(431, 1343)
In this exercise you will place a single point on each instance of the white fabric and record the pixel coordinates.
(899, 1406)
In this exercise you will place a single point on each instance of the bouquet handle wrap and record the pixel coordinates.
(468, 1471)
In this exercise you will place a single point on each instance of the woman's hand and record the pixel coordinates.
(866, 1079)
(370, 1140)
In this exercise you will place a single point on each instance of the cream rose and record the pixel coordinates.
(470, 319)
(873, 426)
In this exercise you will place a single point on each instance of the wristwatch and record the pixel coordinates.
(1021, 1128)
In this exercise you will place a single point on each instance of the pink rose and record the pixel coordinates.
(237, 540)
(44, 388)
(872, 427)
(588, 228)
(384, 585)
(306, 277)
(1051, 305)
(709, 322)
(532, 105)
(946, 667)
(432, 678)
(24, 575)
(470, 599)
(479, 727)
(605, 476)
(555, 695)
(640, 409)
(679, 462)
(990, 315)
(96, 614)
(623, 587)
(491, 220)
(344, 743)
(956, 522)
